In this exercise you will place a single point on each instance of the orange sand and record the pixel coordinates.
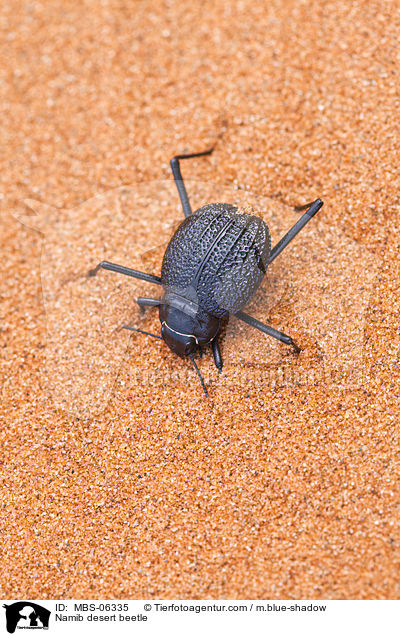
(285, 483)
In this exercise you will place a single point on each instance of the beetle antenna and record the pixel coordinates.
(147, 333)
(198, 373)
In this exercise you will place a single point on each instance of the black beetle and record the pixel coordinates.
(213, 265)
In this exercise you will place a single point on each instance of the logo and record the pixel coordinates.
(26, 615)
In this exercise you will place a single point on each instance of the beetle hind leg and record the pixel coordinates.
(310, 210)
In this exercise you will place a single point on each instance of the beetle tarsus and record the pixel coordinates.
(300, 208)
(93, 272)
(296, 348)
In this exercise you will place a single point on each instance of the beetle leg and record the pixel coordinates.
(176, 171)
(270, 331)
(147, 302)
(289, 236)
(127, 271)
(217, 354)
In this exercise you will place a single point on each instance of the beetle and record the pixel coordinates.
(212, 267)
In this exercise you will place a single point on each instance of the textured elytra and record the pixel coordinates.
(221, 253)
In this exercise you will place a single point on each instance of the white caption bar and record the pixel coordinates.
(182, 617)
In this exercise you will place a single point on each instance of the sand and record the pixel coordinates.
(119, 479)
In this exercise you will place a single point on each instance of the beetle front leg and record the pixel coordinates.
(147, 302)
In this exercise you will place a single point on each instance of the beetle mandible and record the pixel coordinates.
(212, 267)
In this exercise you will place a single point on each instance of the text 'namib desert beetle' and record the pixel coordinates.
(212, 267)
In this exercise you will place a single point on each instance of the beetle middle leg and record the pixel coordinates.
(176, 171)
(270, 331)
(126, 271)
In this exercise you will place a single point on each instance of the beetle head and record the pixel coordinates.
(182, 330)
